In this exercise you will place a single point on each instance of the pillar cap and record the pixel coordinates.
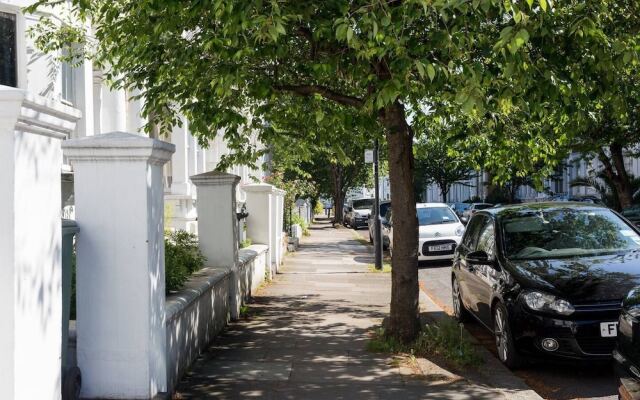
(35, 114)
(118, 146)
(215, 178)
(262, 187)
(259, 187)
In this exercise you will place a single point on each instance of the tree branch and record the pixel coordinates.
(329, 94)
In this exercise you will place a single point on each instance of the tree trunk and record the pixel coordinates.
(623, 183)
(444, 190)
(617, 174)
(338, 196)
(403, 319)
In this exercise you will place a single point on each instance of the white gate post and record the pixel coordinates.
(31, 129)
(120, 259)
(277, 231)
(261, 221)
(218, 225)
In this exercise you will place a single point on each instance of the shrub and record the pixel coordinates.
(319, 208)
(297, 219)
(245, 243)
(182, 258)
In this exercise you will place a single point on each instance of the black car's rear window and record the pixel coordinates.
(565, 232)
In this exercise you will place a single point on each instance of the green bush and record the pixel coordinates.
(296, 219)
(182, 258)
(245, 243)
(319, 208)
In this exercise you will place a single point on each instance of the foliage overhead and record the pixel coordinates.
(440, 161)
(219, 62)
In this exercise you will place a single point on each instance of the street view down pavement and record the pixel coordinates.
(305, 336)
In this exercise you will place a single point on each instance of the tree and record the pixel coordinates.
(319, 145)
(607, 190)
(437, 163)
(225, 65)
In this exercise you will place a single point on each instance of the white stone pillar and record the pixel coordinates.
(217, 223)
(179, 162)
(114, 110)
(277, 234)
(261, 222)
(31, 130)
(120, 260)
(218, 226)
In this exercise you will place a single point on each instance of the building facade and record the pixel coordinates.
(105, 110)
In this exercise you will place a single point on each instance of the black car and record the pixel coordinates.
(547, 278)
(627, 353)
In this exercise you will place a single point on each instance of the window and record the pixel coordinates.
(472, 231)
(436, 215)
(68, 82)
(566, 232)
(487, 239)
(8, 50)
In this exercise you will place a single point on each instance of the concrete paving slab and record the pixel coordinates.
(307, 338)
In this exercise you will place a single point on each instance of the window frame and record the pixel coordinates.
(12, 81)
(21, 46)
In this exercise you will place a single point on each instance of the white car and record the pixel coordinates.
(439, 231)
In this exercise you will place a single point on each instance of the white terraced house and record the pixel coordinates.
(70, 147)
(104, 110)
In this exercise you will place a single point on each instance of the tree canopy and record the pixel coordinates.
(520, 73)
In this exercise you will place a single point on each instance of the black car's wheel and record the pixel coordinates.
(460, 312)
(504, 340)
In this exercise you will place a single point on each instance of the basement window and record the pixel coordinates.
(8, 50)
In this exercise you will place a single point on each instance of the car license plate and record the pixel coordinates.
(441, 247)
(608, 329)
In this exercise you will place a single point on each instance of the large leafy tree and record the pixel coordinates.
(319, 146)
(437, 163)
(225, 64)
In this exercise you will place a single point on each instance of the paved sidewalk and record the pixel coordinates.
(307, 334)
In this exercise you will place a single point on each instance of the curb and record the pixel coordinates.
(493, 373)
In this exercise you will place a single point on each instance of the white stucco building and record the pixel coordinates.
(105, 110)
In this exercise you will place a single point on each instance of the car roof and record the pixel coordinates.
(547, 205)
(430, 205)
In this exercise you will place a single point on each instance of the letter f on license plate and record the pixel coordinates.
(608, 329)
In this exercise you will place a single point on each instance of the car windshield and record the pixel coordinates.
(436, 215)
(363, 204)
(565, 232)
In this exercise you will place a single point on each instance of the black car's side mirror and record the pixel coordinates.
(478, 257)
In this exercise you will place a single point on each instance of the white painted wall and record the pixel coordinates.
(31, 130)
